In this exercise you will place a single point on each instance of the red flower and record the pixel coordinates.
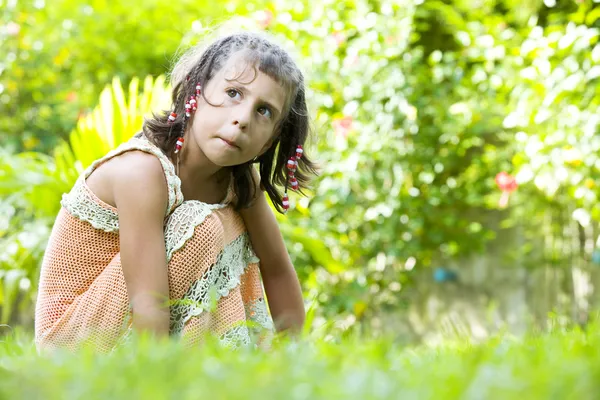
(71, 97)
(342, 126)
(264, 18)
(507, 183)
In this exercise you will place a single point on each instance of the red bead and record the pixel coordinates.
(291, 164)
(285, 202)
(299, 152)
(294, 183)
(178, 145)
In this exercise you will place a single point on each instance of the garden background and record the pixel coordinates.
(458, 142)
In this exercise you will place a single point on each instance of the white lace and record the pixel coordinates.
(236, 337)
(261, 327)
(82, 205)
(79, 203)
(182, 222)
(256, 312)
(259, 331)
(223, 276)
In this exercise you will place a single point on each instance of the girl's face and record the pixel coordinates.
(241, 124)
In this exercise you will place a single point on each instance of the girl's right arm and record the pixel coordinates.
(141, 197)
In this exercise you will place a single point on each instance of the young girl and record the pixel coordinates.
(165, 233)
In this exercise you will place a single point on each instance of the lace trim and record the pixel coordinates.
(257, 312)
(223, 276)
(79, 203)
(183, 221)
(259, 330)
(236, 337)
(261, 327)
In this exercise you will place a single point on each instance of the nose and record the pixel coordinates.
(241, 117)
(241, 124)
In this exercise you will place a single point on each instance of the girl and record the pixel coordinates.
(178, 212)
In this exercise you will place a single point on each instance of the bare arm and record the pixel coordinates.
(281, 282)
(141, 198)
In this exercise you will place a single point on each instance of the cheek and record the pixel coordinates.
(265, 141)
(205, 118)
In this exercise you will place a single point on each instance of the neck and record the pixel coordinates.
(194, 169)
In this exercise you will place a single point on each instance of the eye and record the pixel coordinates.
(233, 93)
(266, 111)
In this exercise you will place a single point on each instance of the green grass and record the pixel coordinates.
(560, 365)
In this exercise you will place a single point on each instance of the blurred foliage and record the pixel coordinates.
(559, 365)
(417, 106)
(55, 57)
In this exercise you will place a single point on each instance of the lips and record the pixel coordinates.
(230, 143)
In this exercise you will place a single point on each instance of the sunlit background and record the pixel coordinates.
(458, 142)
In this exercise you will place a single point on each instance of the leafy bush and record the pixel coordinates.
(419, 106)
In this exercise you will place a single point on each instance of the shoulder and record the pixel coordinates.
(126, 172)
(137, 164)
(138, 179)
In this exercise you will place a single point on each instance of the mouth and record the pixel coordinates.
(229, 143)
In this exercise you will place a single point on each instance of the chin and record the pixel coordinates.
(221, 160)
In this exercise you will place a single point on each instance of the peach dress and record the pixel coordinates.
(214, 279)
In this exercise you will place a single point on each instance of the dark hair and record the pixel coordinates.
(199, 65)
